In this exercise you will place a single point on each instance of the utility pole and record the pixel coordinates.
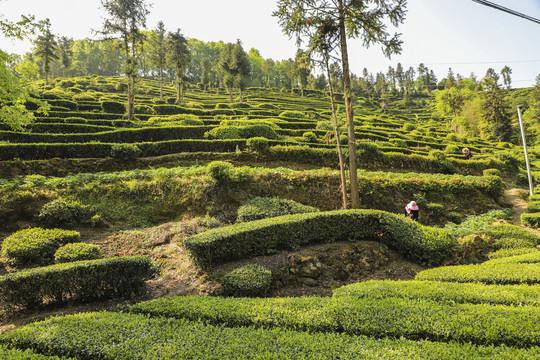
(525, 150)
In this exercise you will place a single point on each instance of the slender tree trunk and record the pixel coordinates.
(231, 94)
(338, 142)
(178, 89)
(355, 200)
(161, 82)
(241, 95)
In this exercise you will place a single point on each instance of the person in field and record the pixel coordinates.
(411, 210)
(467, 154)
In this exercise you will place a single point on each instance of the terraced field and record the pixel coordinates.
(242, 201)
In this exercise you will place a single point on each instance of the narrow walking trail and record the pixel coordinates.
(517, 197)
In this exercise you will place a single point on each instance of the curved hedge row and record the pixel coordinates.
(443, 292)
(421, 243)
(82, 280)
(531, 258)
(108, 335)
(389, 317)
(485, 273)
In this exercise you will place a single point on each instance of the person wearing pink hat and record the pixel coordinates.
(411, 210)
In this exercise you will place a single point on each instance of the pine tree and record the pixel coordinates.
(45, 49)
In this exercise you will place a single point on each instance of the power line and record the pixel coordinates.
(507, 10)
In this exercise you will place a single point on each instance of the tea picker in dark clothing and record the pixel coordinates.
(411, 210)
(467, 154)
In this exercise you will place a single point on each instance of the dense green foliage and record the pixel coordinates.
(36, 245)
(125, 336)
(501, 274)
(248, 281)
(77, 252)
(81, 280)
(378, 317)
(261, 237)
(262, 208)
(63, 213)
(443, 292)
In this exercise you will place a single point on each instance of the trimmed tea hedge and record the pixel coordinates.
(389, 317)
(36, 245)
(77, 252)
(531, 219)
(82, 280)
(126, 336)
(251, 280)
(443, 292)
(485, 273)
(261, 237)
(14, 354)
(531, 258)
(511, 252)
(263, 208)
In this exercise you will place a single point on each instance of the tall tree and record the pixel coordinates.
(506, 73)
(497, 121)
(15, 92)
(126, 20)
(366, 20)
(303, 66)
(157, 52)
(65, 53)
(178, 57)
(450, 79)
(242, 68)
(267, 68)
(45, 47)
(228, 68)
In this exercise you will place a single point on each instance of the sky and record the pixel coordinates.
(461, 34)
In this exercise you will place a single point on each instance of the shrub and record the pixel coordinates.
(293, 114)
(258, 145)
(222, 106)
(496, 274)
(392, 317)
(81, 280)
(261, 237)
(224, 132)
(452, 149)
(84, 97)
(63, 213)
(443, 165)
(265, 207)
(248, 281)
(531, 219)
(506, 252)
(368, 150)
(492, 172)
(76, 252)
(258, 130)
(143, 109)
(220, 171)
(267, 106)
(113, 107)
(309, 137)
(125, 152)
(121, 336)
(35, 245)
(240, 105)
(442, 292)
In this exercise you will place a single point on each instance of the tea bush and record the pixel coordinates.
(376, 317)
(251, 280)
(442, 292)
(81, 280)
(258, 145)
(110, 335)
(76, 252)
(417, 242)
(113, 107)
(499, 274)
(36, 245)
(265, 207)
(63, 213)
(506, 252)
(125, 152)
